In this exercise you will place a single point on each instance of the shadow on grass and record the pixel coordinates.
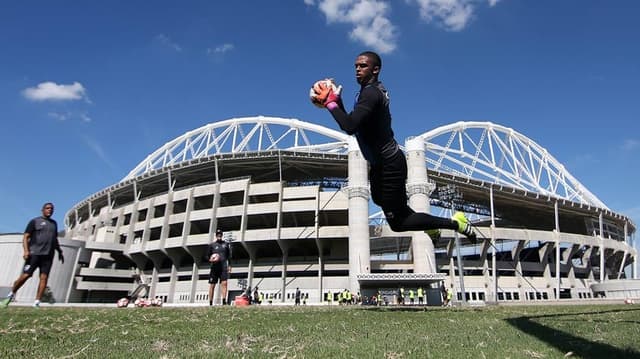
(566, 342)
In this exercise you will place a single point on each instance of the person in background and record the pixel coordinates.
(219, 254)
(298, 294)
(39, 242)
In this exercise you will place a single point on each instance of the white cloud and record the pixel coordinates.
(85, 117)
(64, 116)
(630, 144)
(309, 2)
(166, 41)
(221, 49)
(59, 116)
(453, 15)
(98, 150)
(50, 91)
(371, 26)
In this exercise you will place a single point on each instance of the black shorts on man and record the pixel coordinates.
(44, 262)
(218, 273)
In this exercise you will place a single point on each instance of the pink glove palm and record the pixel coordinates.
(325, 93)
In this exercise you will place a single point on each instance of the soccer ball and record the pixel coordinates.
(629, 301)
(122, 303)
(215, 258)
(318, 87)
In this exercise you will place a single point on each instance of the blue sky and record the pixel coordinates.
(88, 89)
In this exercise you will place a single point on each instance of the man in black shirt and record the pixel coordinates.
(297, 296)
(38, 243)
(370, 122)
(219, 254)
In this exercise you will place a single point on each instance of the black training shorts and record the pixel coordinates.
(218, 273)
(388, 182)
(44, 262)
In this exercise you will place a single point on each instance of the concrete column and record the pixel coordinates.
(494, 273)
(154, 283)
(173, 280)
(168, 209)
(556, 234)
(632, 240)
(602, 249)
(320, 269)
(250, 273)
(515, 253)
(358, 193)
(419, 189)
(621, 270)
(283, 289)
(195, 276)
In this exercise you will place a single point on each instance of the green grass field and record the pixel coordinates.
(580, 331)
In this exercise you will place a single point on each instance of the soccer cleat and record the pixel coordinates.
(464, 227)
(36, 304)
(5, 302)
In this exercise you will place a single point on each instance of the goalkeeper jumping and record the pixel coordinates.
(370, 122)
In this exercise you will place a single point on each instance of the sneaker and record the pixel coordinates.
(464, 227)
(36, 304)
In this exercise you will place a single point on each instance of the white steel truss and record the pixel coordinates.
(478, 150)
(497, 154)
(244, 135)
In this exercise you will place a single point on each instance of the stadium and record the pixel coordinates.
(293, 199)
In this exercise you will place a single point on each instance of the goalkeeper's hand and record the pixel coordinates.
(325, 93)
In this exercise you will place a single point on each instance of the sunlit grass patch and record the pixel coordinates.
(309, 332)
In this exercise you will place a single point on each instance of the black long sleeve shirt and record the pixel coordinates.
(370, 122)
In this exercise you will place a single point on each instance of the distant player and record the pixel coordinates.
(370, 123)
(219, 254)
(39, 242)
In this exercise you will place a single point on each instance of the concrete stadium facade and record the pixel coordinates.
(293, 199)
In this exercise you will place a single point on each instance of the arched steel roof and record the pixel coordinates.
(497, 154)
(257, 133)
(478, 150)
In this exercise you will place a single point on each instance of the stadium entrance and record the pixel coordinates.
(396, 288)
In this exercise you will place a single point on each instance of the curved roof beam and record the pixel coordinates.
(489, 152)
(244, 134)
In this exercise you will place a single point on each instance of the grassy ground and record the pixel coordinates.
(604, 331)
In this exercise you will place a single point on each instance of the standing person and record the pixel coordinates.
(39, 242)
(401, 296)
(370, 122)
(298, 294)
(256, 296)
(420, 295)
(219, 254)
(444, 293)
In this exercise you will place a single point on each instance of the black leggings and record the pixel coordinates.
(388, 190)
